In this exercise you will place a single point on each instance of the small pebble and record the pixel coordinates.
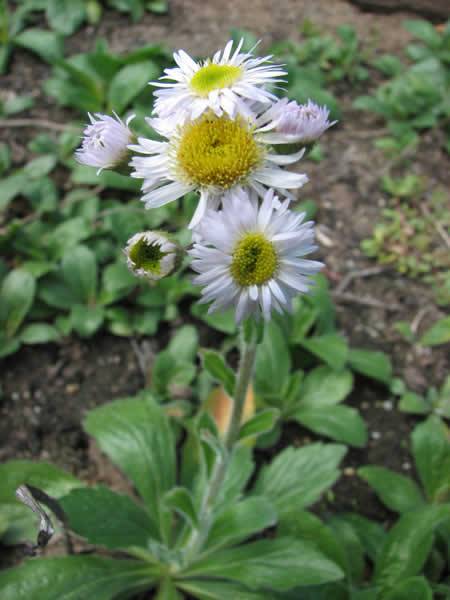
(72, 388)
(375, 435)
(349, 471)
(406, 466)
(388, 405)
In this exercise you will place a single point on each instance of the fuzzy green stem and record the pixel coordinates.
(243, 381)
(244, 376)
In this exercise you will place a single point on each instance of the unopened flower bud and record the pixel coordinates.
(105, 142)
(299, 123)
(152, 254)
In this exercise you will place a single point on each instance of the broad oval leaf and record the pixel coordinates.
(408, 544)
(374, 364)
(279, 564)
(240, 521)
(324, 386)
(108, 519)
(431, 450)
(341, 423)
(396, 491)
(273, 362)
(330, 347)
(415, 588)
(79, 269)
(129, 82)
(75, 578)
(16, 298)
(136, 434)
(297, 477)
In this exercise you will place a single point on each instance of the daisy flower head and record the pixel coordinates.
(105, 142)
(251, 255)
(229, 83)
(299, 123)
(152, 254)
(210, 155)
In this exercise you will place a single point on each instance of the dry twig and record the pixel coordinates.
(39, 123)
(349, 298)
(349, 277)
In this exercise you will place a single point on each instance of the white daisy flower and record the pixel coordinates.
(299, 123)
(211, 155)
(228, 84)
(152, 254)
(251, 255)
(105, 142)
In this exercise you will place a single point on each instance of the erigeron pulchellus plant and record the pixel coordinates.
(189, 532)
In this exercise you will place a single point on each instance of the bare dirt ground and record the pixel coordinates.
(46, 390)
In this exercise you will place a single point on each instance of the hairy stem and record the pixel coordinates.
(244, 376)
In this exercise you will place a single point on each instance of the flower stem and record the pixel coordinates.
(199, 535)
(243, 381)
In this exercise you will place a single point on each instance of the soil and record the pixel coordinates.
(45, 391)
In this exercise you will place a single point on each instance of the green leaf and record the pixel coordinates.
(184, 344)
(11, 187)
(223, 321)
(348, 540)
(278, 564)
(180, 500)
(158, 7)
(65, 15)
(168, 371)
(307, 527)
(219, 590)
(261, 423)
(273, 362)
(218, 369)
(298, 476)
(438, 334)
(324, 387)
(41, 166)
(136, 434)
(22, 522)
(129, 82)
(397, 492)
(330, 347)
(75, 578)
(8, 346)
(67, 235)
(79, 269)
(415, 588)
(431, 450)
(413, 403)
(376, 365)
(16, 298)
(39, 333)
(105, 518)
(54, 293)
(408, 544)
(371, 534)
(424, 31)
(46, 44)
(341, 423)
(86, 320)
(117, 282)
(240, 521)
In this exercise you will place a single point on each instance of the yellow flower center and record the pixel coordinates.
(218, 152)
(254, 260)
(213, 77)
(147, 256)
